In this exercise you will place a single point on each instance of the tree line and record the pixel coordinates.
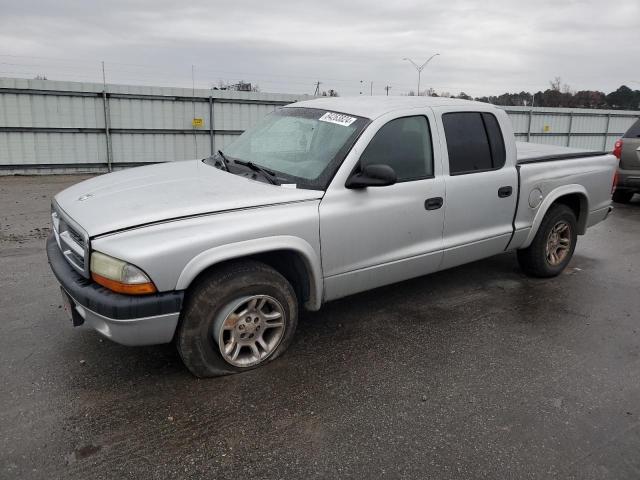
(561, 95)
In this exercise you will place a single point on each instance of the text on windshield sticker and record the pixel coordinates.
(340, 119)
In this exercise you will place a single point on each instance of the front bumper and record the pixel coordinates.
(125, 319)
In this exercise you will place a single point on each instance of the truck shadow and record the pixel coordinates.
(459, 326)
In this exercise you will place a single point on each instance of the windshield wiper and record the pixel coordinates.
(268, 174)
(225, 161)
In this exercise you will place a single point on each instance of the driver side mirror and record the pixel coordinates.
(378, 175)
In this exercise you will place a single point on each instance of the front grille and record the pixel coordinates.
(79, 239)
(76, 259)
(72, 240)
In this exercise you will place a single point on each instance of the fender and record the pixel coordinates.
(546, 204)
(230, 251)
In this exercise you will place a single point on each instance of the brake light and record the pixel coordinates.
(617, 148)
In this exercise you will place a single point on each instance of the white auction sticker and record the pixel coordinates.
(339, 118)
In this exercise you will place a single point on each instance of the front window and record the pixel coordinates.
(304, 146)
(405, 145)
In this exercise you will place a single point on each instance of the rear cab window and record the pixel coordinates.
(474, 142)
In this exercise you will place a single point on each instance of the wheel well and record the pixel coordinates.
(290, 264)
(578, 203)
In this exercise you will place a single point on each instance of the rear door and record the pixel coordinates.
(481, 188)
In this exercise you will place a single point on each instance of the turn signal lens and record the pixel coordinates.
(119, 287)
(119, 276)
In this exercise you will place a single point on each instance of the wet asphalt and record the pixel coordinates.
(475, 372)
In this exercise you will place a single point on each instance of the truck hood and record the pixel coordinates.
(167, 191)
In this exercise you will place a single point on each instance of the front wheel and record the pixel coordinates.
(238, 317)
(553, 246)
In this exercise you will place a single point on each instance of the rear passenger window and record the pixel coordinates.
(634, 131)
(496, 143)
(474, 142)
(405, 145)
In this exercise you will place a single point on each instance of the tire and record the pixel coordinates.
(622, 196)
(211, 324)
(534, 260)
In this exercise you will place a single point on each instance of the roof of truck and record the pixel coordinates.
(372, 107)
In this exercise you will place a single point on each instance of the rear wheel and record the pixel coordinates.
(622, 196)
(553, 245)
(239, 317)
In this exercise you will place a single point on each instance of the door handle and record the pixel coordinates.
(433, 203)
(505, 192)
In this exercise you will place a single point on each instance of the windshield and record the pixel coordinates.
(300, 145)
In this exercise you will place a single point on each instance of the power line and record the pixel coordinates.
(79, 69)
(127, 68)
(134, 67)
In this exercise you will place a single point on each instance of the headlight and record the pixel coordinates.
(119, 276)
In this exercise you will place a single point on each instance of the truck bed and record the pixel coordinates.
(536, 152)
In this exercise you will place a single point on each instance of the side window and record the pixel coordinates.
(474, 142)
(496, 142)
(405, 145)
(634, 131)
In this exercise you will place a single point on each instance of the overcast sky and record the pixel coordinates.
(486, 47)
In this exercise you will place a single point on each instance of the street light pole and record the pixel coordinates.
(419, 68)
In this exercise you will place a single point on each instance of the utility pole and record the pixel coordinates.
(193, 105)
(371, 89)
(419, 68)
(387, 88)
(107, 120)
(317, 92)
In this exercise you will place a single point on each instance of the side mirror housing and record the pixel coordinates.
(378, 175)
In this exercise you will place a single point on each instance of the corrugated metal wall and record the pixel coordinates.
(50, 126)
(580, 128)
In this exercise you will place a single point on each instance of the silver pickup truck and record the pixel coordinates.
(320, 200)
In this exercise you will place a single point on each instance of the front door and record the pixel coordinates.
(379, 235)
